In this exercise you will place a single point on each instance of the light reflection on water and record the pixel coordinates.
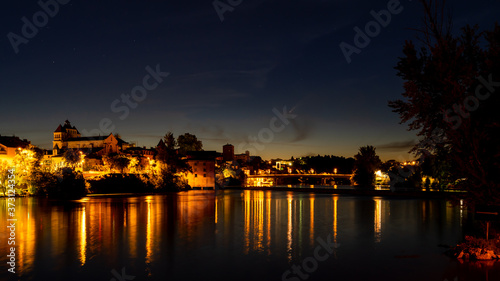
(244, 235)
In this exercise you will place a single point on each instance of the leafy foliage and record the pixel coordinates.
(118, 183)
(160, 178)
(448, 99)
(188, 142)
(116, 162)
(4, 175)
(366, 163)
(169, 155)
(65, 183)
(72, 157)
(26, 161)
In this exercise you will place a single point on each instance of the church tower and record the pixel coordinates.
(61, 134)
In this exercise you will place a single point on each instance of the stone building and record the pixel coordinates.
(9, 145)
(68, 137)
(202, 165)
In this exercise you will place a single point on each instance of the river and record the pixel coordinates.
(237, 235)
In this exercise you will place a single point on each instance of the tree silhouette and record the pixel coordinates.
(116, 161)
(366, 163)
(171, 157)
(72, 157)
(170, 141)
(188, 142)
(168, 172)
(120, 162)
(448, 86)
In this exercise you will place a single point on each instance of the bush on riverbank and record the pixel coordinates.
(64, 183)
(477, 249)
(161, 179)
(136, 183)
(118, 183)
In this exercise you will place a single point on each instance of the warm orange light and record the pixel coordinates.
(377, 220)
(83, 238)
(335, 199)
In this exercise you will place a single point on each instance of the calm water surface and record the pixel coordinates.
(240, 235)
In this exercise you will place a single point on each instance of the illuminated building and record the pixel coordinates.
(202, 165)
(282, 164)
(244, 157)
(68, 137)
(9, 146)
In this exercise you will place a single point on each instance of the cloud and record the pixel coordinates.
(302, 129)
(401, 145)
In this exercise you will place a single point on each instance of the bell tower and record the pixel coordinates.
(63, 133)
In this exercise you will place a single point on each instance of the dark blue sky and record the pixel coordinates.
(225, 77)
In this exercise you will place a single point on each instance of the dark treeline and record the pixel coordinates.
(325, 164)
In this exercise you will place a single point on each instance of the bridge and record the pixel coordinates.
(277, 179)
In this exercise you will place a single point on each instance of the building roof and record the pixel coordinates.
(88, 138)
(120, 141)
(161, 143)
(67, 125)
(137, 149)
(202, 155)
(14, 141)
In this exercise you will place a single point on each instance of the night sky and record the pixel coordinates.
(225, 77)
